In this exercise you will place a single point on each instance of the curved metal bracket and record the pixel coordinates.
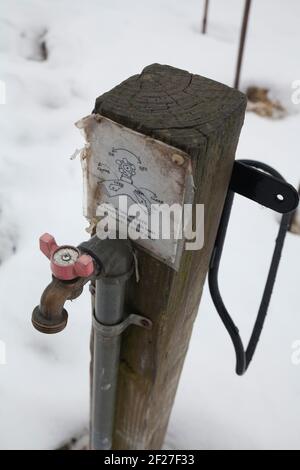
(261, 183)
(270, 190)
(109, 331)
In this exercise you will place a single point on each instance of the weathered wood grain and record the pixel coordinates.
(204, 119)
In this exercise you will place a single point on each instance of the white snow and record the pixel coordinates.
(92, 46)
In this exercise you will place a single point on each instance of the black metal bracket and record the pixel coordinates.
(261, 183)
(263, 188)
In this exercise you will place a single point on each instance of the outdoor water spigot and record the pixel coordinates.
(71, 269)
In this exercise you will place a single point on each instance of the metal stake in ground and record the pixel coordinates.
(205, 14)
(242, 43)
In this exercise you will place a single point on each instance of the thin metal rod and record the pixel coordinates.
(242, 43)
(205, 14)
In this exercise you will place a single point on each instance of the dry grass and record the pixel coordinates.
(260, 103)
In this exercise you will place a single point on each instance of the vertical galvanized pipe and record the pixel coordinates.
(115, 262)
(109, 310)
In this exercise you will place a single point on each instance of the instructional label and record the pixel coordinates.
(119, 163)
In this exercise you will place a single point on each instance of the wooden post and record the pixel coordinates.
(202, 118)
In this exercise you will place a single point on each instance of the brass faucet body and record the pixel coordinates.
(51, 316)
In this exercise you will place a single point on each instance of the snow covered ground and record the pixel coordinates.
(90, 47)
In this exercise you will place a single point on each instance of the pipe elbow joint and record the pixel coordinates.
(114, 257)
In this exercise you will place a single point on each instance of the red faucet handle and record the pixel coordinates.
(67, 262)
(84, 266)
(48, 244)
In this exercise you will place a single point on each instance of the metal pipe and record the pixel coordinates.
(116, 260)
(242, 43)
(109, 310)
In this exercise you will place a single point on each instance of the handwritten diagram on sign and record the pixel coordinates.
(120, 163)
